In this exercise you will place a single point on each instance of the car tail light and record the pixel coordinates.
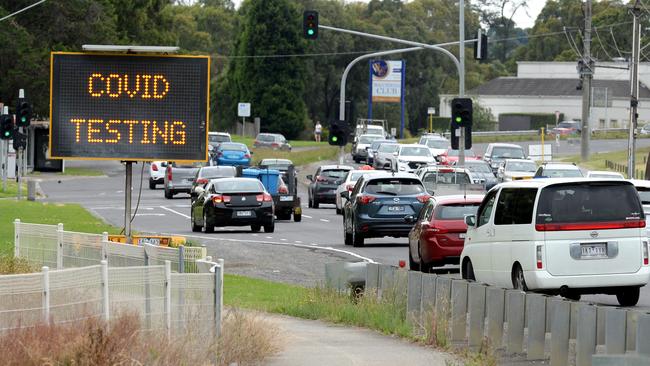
(220, 199)
(437, 230)
(247, 156)
(365, 199)
(320, 178)
(283, 190)
(219, 154)
(591, 225)
(423, 198)
(169, 173)
(349, 187)
(645, 253)
(202, 181)
(264, 197)
(540, 265)
(446, 170)
(154, 167)
(275, 144)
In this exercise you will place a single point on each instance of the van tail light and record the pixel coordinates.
(591, 225)
(283, 190)
(202, 181)
(540, 264)
(645, 253)
(154, 167)
(423, 198)
(320, 178)
(264, 197)
(169, 173)
(220, 199)
(365, 199)
(247, 156)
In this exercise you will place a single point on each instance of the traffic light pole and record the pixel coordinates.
(4, 147)
(461, 76)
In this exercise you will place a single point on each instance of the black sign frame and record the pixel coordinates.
(166, 117)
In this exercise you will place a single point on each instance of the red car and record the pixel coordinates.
(438, 236)
(450, 156)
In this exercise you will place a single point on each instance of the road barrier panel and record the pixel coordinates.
(476, 304)
(387, 279)
(615, 330)
(372, 278)
(443, 300)
(516, 309)
(585, 334)
(428, 303)
(643, 334)
(630, 334)
(414, 296)
(560, 331)
(620, 360)
(458, 310)
(600, 324)
(536, 322)
(495, 299)
(574, 319)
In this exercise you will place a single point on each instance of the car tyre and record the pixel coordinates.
(208, 227)
(347, 238)
(357, 238)
(297, 217)
(168, 194)
(256, 228)
(339, 211)
(152, 184)
(309, 202)
(315, 203)
(468, 272)
(413, 266)
(628, 296)
(195, 228)
(269, 228)
(518, 279)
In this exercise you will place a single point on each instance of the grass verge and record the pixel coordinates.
(12, 189)
(326, 152)
(294, 143)
(597, 160)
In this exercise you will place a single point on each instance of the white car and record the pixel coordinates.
(437, 144)
(360, 147)
(383, 155)
(558, 170)
(370, 130)
(643, 189)
(516, 169)
(348, 184)
(157, 171)
(408, 158)
(569, 237)
(604, 174)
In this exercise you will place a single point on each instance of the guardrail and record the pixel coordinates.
(537, 326)
(622, 168)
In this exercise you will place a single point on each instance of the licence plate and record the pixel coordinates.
(395, 208)
(286, 198)
(593, 250)
(233, 157)
(244, 213)
(462, 235)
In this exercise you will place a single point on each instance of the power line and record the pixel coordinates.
(572, 44)
(21, 10)
(601, 45)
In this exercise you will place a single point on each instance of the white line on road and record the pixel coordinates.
(313, 244)
(298, 242)
(269, 237)
(176, 212)
(150, 214)
(283, 239)
(307, 216)
(255, 235)
(324, 220)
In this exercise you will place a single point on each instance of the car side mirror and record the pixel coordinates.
(409, 219)
(395, 153)
(199, 190)
(470, 220)
(345, 194)
(310, 177)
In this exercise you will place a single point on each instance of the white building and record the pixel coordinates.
(550, 87)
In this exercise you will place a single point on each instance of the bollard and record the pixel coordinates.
(643, 334)
(615, 324)
(31, 190)
(495, 299)
(458, 310)
(536, 319)
(585, 334)
(630, 332)
(476, 304)
(516, 302)
(372, 278)
(560, 330)
(428, 293)
(414, 296)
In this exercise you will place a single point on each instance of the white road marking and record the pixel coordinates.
(307, 216)
(150, 214)
(119, 191)
(283, 239)
(313, 244)
(176, 212)
(269, 237)
(298, 242)
(255, 235)
(324, 220)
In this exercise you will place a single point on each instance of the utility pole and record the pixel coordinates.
(634, 87)
(461, 76)
(586, 74)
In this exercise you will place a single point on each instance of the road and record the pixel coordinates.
(294, 253)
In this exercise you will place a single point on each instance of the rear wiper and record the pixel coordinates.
(388, 193)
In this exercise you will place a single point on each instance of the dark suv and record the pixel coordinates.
(322, 188)
(382, 205)
(273, 141)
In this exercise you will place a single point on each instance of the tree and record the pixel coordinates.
(498, 16)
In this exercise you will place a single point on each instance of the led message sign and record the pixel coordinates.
(129, 107)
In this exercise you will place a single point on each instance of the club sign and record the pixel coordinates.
(129, 107)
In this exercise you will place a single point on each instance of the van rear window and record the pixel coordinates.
(588, 202)
(456, 211)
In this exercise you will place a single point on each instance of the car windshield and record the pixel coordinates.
(521, 166)
(606, 175)
(507, 153)
(562, 173)
(437, 144)
(280, 138)
(217, 171)
(335, 173)
(389, 148)
(233, 147)
(374, 130)
(456, 211)
(365, 139)
(265, 138)
(468, 152)
(218, 138)
(415, 151)
(430, 179)
(588, 202)
(479, 167)
(239, 185)
(375, 145)
(394, 186)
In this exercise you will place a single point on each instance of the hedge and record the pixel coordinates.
(537, 120)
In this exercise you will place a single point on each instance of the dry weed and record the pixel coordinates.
(11, 265)
(247, 339)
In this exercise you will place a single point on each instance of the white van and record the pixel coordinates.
(560, 236)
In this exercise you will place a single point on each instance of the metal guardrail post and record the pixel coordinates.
(428, 302)
(105, 245)
(106, 314)
(573, 320)
(372, 278)
(147, 290)
(585, 335)
(615, 324)
(476, 302)
(181, 259)
(458, 310)
(414, 296)
(17, 238)
(218, 296)
(495, 299)
(516, 302)
(443, 299)
(59, 246)
(643, 334)
(630, 334)
(536, 319)
(600, 324)
(46, 294)
(168, 298)
(560, 330)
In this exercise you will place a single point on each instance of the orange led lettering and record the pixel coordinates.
(115, 132)
(91, 91)
(164, 87)
(180, 132)
(155, 131)
(145, 132)
(146, 94)
(131, 93)
(92, 130)
(130, 124)
(77, 122)
(108, 85)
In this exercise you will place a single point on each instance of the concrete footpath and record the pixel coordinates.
(316, 343)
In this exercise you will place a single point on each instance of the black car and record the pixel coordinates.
(382, 204)
(322, 188)
(233, 202)
(207, 173)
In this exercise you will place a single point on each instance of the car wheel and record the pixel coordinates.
(518, 280)
(468, 272)
(347, 238)
(168, 194)
(152, 184)
(315, 203)
(195, 228)
(628, 296)
(413, 266)
(269, 228)
(208, 226)
(309, 203)
(357, 238)
(297, 217)
(339, 211)
(256, 228)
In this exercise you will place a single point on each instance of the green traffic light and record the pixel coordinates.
(310, 32)
(459, 120)
(334, 138)
(23, 119)
(7, 133)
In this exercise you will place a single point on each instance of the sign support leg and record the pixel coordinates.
(341, 154)
(3, 160)
(127, 201)
(19, 171)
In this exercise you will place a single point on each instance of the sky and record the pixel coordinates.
(524, 19)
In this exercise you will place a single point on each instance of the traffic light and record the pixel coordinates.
(338, 133)
(461, 112)
(23, 113)
(20, 141)
(6, 127)
(455, 137)
(310, 24)
(481, 46)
